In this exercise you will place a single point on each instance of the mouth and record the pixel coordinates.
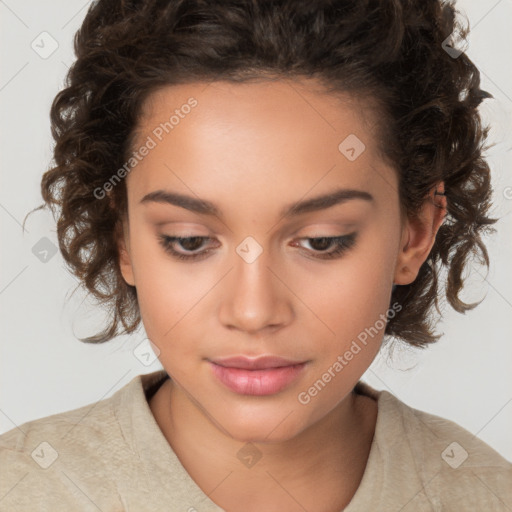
(260, 376)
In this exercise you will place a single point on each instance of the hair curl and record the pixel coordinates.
(389, 50)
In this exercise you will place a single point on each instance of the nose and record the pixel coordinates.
(254, 298)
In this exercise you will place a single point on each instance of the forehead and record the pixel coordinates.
(298, 108)
(274, 135)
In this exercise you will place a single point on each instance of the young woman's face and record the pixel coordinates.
(252, 173)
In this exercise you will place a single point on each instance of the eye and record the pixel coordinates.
(189, 244)
(340, 245)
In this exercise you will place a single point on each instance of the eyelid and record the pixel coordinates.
(326, 231)
(342, 244)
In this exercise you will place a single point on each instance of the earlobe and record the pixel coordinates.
(125, 263)
(419, 235)
(126, 266)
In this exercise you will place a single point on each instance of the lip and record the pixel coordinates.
(261, 376)
(255, 363)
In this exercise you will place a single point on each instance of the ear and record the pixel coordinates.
(418, 236)
(123, 245)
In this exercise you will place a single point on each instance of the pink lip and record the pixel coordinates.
(261, 376)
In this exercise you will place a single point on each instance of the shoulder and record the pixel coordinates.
(455, 467)
(60, 457)
(85, 425)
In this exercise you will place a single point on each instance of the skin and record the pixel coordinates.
(252, 149)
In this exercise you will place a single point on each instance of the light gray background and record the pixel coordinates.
(44, 369)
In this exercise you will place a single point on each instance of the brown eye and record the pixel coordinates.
(341, 244)
(319, 246)
(190, 243)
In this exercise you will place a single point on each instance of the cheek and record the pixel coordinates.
(360, 282)
(166, 289)
(352, 299)
(344, 297)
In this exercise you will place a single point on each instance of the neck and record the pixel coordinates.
(318, 469)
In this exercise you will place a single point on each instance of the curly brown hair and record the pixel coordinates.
(396, 52)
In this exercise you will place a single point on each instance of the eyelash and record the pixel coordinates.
(342, 244)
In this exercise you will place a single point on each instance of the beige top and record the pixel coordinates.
(111, 456)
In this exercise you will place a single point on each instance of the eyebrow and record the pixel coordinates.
(204, 207)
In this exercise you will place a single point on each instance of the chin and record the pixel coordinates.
(270, 428)
(262, 436)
